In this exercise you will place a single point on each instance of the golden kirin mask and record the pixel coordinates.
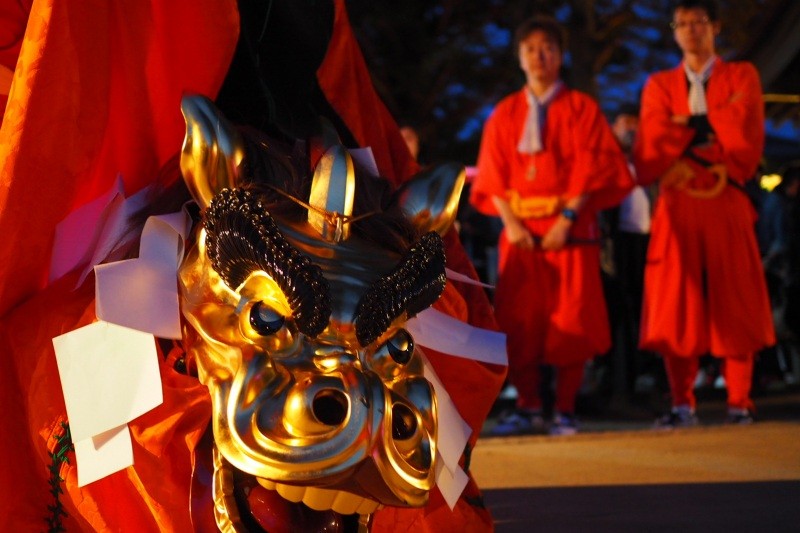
(296, 328)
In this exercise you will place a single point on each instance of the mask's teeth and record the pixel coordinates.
(292, 493)
(323, 499)
(319, 499)
(346, 503)
(267, 484)
(367, 507)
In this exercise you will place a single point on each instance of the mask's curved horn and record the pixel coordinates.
(430, 199)
(212, 150)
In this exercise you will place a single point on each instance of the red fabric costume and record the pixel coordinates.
(550, 303)
(704, 283)
(97, 91)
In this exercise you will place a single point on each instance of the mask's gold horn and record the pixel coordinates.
(332, 188)
(430, 199)
(212, 150)
(332, 194)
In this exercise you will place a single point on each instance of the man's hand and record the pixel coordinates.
(682, 120)
(556, 237)
(518, 235)
(677, 175)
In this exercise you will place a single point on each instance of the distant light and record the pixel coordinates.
(769, 181)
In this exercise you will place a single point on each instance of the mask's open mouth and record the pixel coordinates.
(246, 503)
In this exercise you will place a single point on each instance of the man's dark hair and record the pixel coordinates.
(628, 109)
(709, 6)
(543, 23)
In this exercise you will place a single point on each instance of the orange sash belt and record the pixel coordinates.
(534, 206)
(680, 174)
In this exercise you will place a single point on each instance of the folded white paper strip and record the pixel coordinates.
(109, 369)
(109, 375)
(104, 454)
(142, 293)
(446, 334)
(452, 274)
(443, 333)
(451, 483)
(453, 436)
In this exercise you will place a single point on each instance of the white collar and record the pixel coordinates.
(547, 97)
(705, 70)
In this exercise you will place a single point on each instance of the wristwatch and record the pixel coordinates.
(569, 214)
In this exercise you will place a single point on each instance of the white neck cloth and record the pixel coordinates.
(697, 91)
(531, 140)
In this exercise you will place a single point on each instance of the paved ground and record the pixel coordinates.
(619, 475)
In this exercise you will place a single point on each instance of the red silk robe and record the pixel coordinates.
(97, 91)
(704, 283)
(551, 303)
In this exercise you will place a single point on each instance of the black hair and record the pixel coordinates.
(709, 6)
(543, 23)
(272, 163)
(628, 108)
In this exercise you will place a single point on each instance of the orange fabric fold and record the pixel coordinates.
(96, 93)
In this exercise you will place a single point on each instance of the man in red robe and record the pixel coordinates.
(701, 134)
(548, 161)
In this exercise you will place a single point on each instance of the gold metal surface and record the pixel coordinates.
(430, 200)
(322, 420)
(226, 513)
(332, 191)
(304, 412)
(212, 149)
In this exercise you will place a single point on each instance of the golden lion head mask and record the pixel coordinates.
(296, 325)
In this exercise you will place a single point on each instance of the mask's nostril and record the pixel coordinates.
(330, 407)
(404, 423)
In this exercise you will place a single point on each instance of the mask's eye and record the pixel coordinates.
(265, 320)
(401, 347)
(394, 357)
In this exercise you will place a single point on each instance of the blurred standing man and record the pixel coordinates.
(701, 134)
(548, 161)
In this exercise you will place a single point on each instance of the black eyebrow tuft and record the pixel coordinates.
(414, 285)
(242, 237)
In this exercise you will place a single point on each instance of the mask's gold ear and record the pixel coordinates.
(212, 150)
(430, 199)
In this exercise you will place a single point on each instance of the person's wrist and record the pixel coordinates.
(569, 214)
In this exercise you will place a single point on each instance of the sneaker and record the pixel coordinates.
(563, 424)
(677, 418)
(537, 421)
(518, 422)
(739, 417)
